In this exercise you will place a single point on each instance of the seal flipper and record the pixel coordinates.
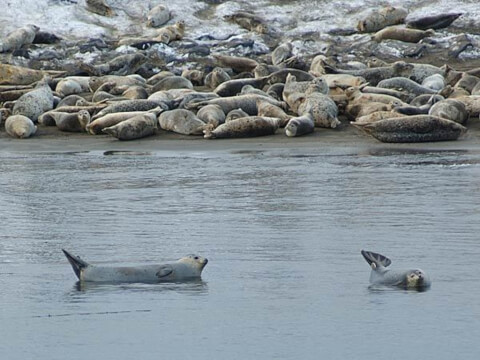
(163, 271)
(77, 263)
(376, 259)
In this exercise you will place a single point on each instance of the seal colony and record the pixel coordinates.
(135, 95)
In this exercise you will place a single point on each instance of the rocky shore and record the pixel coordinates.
(395, 78)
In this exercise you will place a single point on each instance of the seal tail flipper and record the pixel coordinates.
(77, 263)
(376, 259)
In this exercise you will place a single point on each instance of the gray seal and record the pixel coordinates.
(187, 268)
(380, 275)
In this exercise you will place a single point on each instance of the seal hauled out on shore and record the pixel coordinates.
(187, 268)
(380, 275)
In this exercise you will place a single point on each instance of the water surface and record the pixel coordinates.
(283, 230)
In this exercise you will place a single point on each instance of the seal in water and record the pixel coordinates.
(380, 275)
(187, 268)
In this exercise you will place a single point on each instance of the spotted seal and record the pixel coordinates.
(158, 16)
(402, 34)
(99, 7)
(237, 63)
(35, 102)
(281, 53)
(248, 21)
(137, 127)
(18, 38)
(377, 20)
(120, 65)
(381, 275)
(186, 268)
(450, 109)
(72, 122)
(244, 127)
(216, 77)
(415, 128)
(435, 22)
(182, 122)
(235, 114)
(211, 114)
(247, 103)
(234, 87)
(20, 126)
(301, 125)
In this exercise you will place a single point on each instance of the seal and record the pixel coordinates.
(211, 114)
(187, 268)
(236, 63)
(269, 110)
(71, 122)
(99, 7)
(377, 20)
(158, 16)
(181, 121)
(435, 22)
(216, 77)
(402, 34)
(376, 116)
(235, 86)
(120, 65)
(467, 82)
(412, 129)
(248, 21)
(18, 38)
(281, 53)
(436, 82)
(36, 102)
(323, 110)
(172, 32)
(172, 82)
(298, 126)
(250, 126)
(405, 84)
(247, 103)
(69, 86)
(194, 75)
(137, 127)
(130, 105)
(235, 114)
(95, 127)
(20, 126)
(406, 279)
(450, 109)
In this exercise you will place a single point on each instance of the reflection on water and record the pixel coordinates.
(282, 230)
(194, 286)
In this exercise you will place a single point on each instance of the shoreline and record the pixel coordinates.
(345, 140)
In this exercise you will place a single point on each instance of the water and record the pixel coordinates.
(283, 230)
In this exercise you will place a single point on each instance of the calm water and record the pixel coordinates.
(283, 230)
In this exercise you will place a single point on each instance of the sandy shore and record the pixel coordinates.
(345, 140)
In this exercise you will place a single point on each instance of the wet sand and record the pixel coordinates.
(344, 140)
